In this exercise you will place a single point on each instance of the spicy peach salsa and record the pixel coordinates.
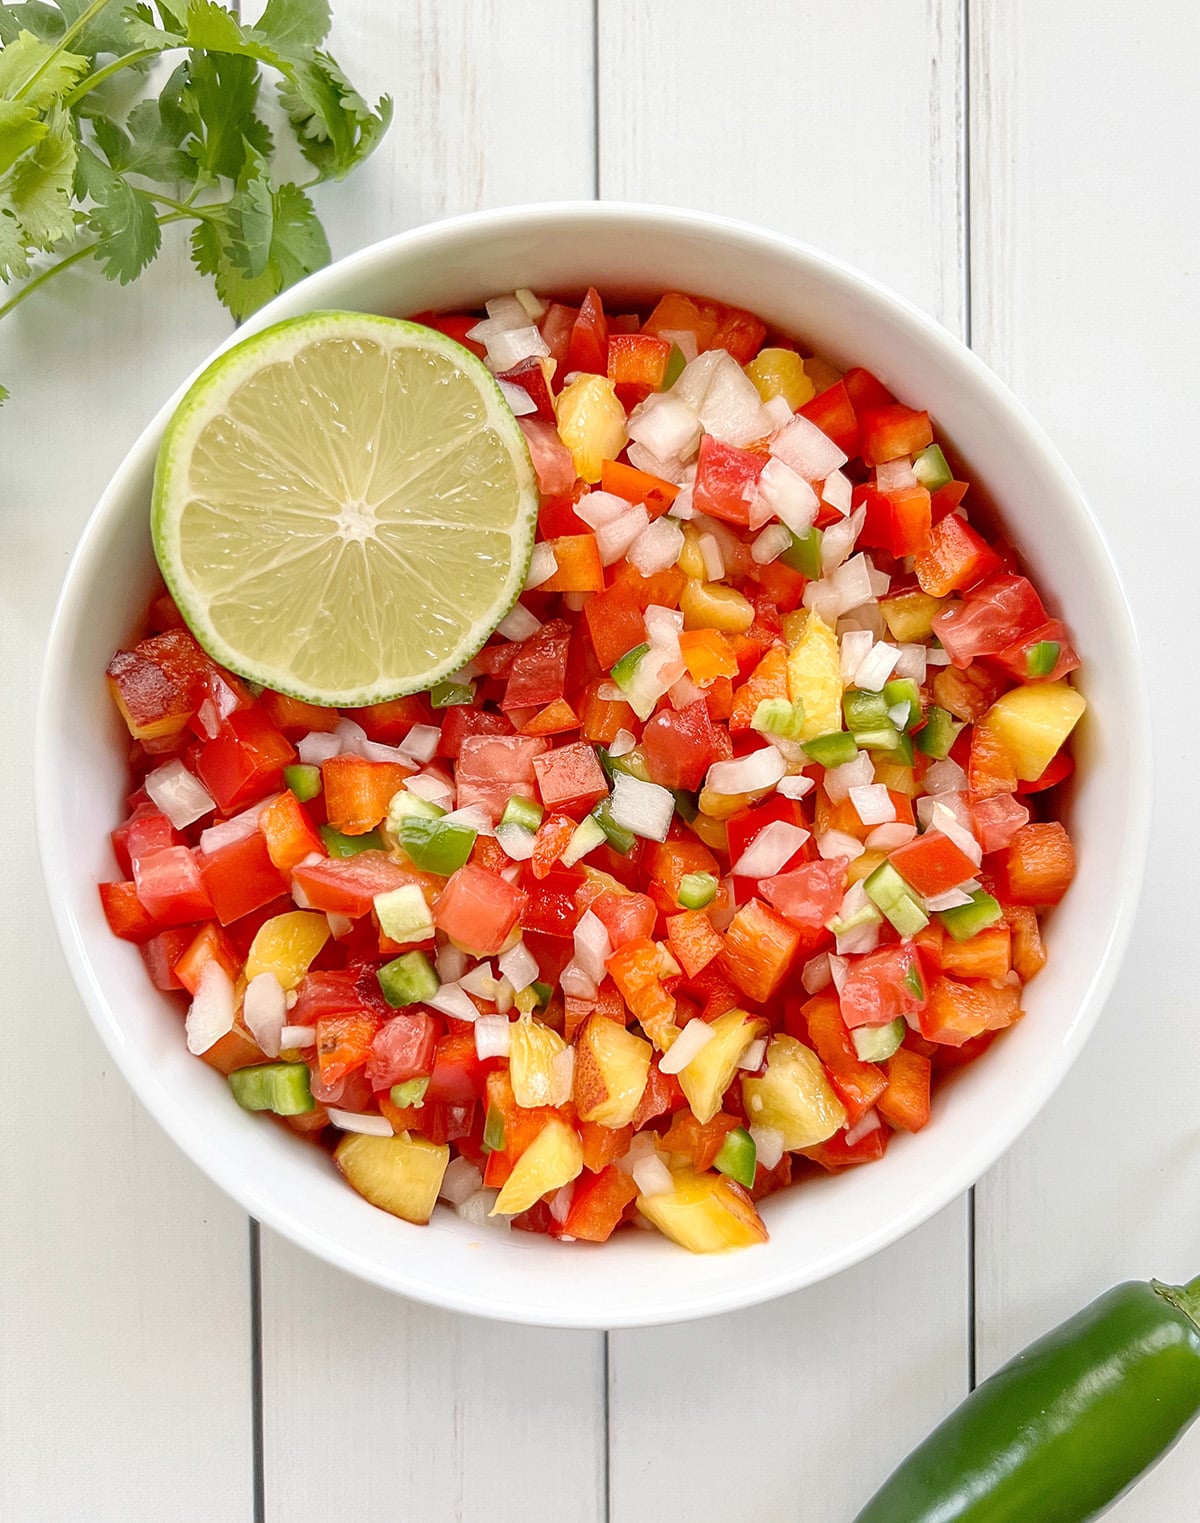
(728, 844)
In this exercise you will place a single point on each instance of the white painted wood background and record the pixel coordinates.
(1026, 172)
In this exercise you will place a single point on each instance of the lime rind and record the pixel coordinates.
(284, 495)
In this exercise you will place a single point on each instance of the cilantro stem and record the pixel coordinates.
(185, 214)
(90, 81)
(61, 46)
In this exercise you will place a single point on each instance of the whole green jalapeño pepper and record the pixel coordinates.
(1065, 1428)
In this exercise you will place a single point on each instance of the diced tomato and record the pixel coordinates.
(146, 830)
(210, 944)
(997, 819)
(809, 896)
(530, 375)
(462, 720)
(553, 463)
(993, 615)
(477, 910)
(858, 1084)
(403, 1048)
(662, 1095)
(344, 1043)
(959, 1010)
(725, 480)
(883, 985)
(570, 778)
(494, 768)
(693, 940)
(1015, 657)
(679, 746)
(933, 864)
(240, 877)
(171, 888)
(833, 413)
(292, 717)
(956, 558)
(127, 916)
(161, 953)
(556, 328)
(1037, 865)
(614, 623)
(588, 350)
(626, 917)
(836, 1154)
(759, 949)
(328, 991)
(598, 1204)
(455, 325)
(245, 760)
(348, 885)
(550, 905)
(159, 684)
(539, 672)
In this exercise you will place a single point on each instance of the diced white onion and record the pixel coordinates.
(747, 774)
(517, 842)
(235, 829)
(822, 598)
(493, 1036)
(450, 999)
(543, 563)
(770, 544)
(683, 339)
(460, 1181)
(682, 507)
(597, 508)
(562, 1076)
(518, 623)
(852, 582)
(477, 1209)
(768, 1145)
(898, 714)
(944, 819)
(774, 846)
(668, 469)
(839, 539)
(535, 308)
(795, 787)
(695, 1036)
(952, 899)
(839, 968)
(862, 939)
(873, 804)
(615, 537)
(936, 656)
(895, 475)
(787, 496)
(560, 1203)
(808, 451)
(877, 667)
(666, 426)
(421, 743)
(623, 742)
(505, 996)
(644, 808)
(866, 1124)
(182, 797)
(836, 843)
(723, 397)
(473, 817)
(945, 776)
(432, 785)
(683, 693)
(452, 963)
(663, 625)
(714, 561)
(888, 837)
(724, 907)
(519, 966)
(592, 946)
(518, 399)
(318, 746)
(837, 492)
(479, 981)
(911, 663)
(855, 647)
(505, 313)
(351, 1121)
(292, 1037)
(504, 350)
(652, 1176)
(264, 1009)
(815, 974)
(776, 412)
(866, 616)
(644, 1145)
(656, 547)
(352, 736)
(752, 1058)
(376, 751)
(210, 1016)
(852, 774)
(576, 982)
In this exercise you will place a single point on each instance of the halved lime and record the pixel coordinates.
(344, 507)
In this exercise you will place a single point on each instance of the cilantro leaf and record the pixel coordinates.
(218, 102)
(298, 242)
(124, 220)
(297, 247)
(20, 128)
(36, 192)
(251, 215)
(150, 146)
(3, 394)
(35, 74)
(294, 24)
(335, 126)
(14, 257)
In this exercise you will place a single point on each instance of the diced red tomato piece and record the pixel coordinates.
(679, 746)
(883, 985)
(1015, 657)
(403, 1048)
(626, 917)
(550, 903)
(614, 623)
(462, 720)
(725, 480)
(556, 328)
(955, 558)
(348, 885)
(997, 819)
(127, 916)
(477, 910)
(553, 463)
(245, 760)
(539, 672)
(241, 877)
(933, 864)
(146, 830)
(588, 349)
(161, 953)
(171, 888)
(833, 413)
(570, 778)
(809, 896)
(455, 325)
(993, 615)
(494, 768)
(530, 375)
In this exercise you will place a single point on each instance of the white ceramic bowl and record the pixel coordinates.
(826, 1224)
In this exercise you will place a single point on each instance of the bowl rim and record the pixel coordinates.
(946, 1185)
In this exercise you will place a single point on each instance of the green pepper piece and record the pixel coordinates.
(408, 979)
(676, 360)
(278, 1087)
(622, 673)
(930, 468)
(804, 554)
(339, 845)
(1064, 1429)
(697, 890)
(1042, 658)
(832, 750)
(447, 695)
(738, 1157)
(434, 845)
(937, 735)
(411, 1092)
(968, 920)
(543, 993)
(493, 1130)
(523, 812)
(304, 781)
(864, 710)
(619, 838)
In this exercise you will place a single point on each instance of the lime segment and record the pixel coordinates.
(344, 508)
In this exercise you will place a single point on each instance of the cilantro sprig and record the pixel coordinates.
(86, 174)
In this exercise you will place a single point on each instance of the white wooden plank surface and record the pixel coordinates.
(842, 126)
(1084, 122)
(452, 1419)
(124, 1281)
